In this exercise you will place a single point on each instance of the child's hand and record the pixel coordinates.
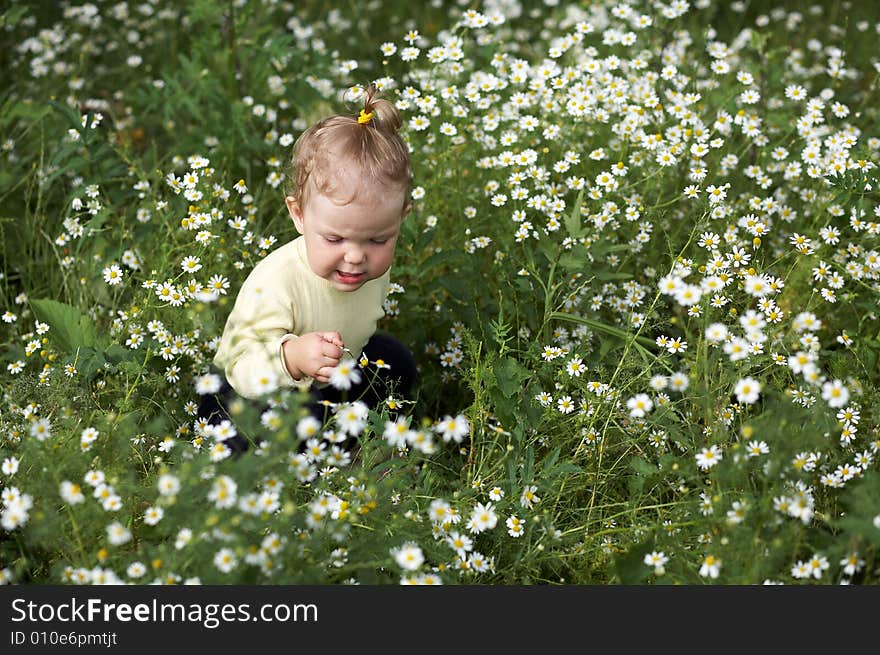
(314, 355)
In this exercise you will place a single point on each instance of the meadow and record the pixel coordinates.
(641, 280)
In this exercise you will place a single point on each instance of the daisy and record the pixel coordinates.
(351, 418)
(153, 515)
(747, 390)
(10, 466)
(408, 556)
(710, 567)
(835, 393)
(41, 429)
(225, 560)
(207, 384)
(482, 518)
(118, 534)
(658, 560)
(461, 544)
(71, 493)
(190, 264)
(345, 375)
(565, 405)
(515, 526)
(575, 367)
(168, 484)
(113, 275)
(709, 457)
(454, 429)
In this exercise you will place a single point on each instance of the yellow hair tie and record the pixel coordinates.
(364, 117)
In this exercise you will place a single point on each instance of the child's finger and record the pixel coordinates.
(331, 350)
(333, 337)
(323, 374)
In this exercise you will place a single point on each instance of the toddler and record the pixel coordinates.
(317, 300)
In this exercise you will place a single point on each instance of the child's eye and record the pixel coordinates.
(379, 241)
(332, 239)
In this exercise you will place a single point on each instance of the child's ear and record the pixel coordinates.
(406, 210)
(295, 212)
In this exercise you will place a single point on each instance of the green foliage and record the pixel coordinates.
(620, 222)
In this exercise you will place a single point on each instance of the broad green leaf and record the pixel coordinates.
(509, 375)
(69, 327)
(573, 218)
(630, 566)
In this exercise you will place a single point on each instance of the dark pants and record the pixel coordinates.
(376, 385)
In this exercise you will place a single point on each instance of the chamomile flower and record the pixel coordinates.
(112, 275)
(345, 375)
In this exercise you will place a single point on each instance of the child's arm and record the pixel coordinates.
(313, 355)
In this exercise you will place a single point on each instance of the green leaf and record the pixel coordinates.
(13, 15)
(441, 258)
(72, 116)
(630, 566)
(89, 361)
(573, 219)
(608, 275)
(69, 327)
(571, 262)
(116, 354)
(642, 467)
(529, 465)
(509, 376)
(456, 286)
(642, 343)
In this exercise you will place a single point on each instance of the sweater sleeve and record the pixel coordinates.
(251, 343)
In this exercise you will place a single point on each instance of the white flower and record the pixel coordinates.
(440, 511)
(345, 375)
(835, 393)
(225, 560)
(747, 390)
(208, 383)
(454, 429)
(482, 518)
(169, 484)
(307, 427)
(136, 570)
(515, 526)
(41, 429)
(118, 534)
(190, 264)
(184, 536)
(10, 466)
(716, 332)
(71, 493)
(408, 556)
(528, 498)
(639, 405)
(575, 367)
(658, 560)
(709, 457)
(710, 567)
(460, 543)
(113, 275)
(153, 515)
(265, 382)
(219, 451)
(352, 417)
(397, 432)
(223, 492)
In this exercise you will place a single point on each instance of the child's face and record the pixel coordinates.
(349, 244)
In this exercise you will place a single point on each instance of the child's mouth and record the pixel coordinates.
(349, 278)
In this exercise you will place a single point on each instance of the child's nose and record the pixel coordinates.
(354, 255)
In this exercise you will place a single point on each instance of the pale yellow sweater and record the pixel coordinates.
(281, 299)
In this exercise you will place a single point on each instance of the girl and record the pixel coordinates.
(317, 299)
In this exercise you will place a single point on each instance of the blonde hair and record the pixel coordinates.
(367, 145)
